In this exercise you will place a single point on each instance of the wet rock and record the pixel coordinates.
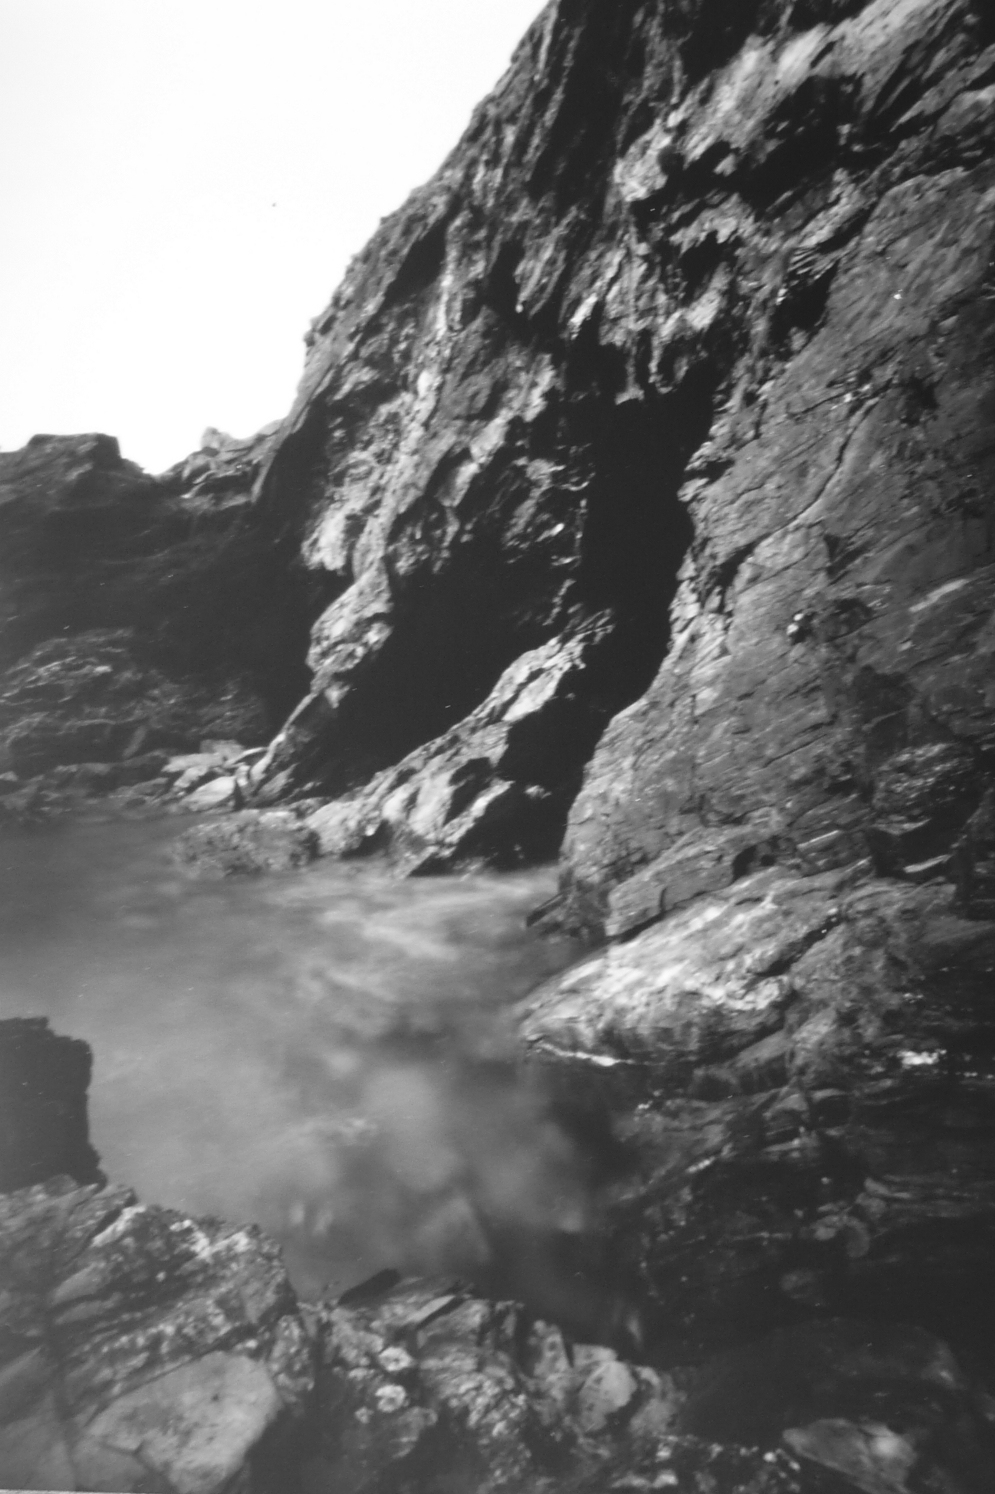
(428, 1384)
(43, 1119)
(873, 730)
(677, 270)
(691, 1466)
(496, 787)
(248, 842)
(140, 1350)
(801, 1070)
(973, 860)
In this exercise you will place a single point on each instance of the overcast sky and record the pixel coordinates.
(182, 183)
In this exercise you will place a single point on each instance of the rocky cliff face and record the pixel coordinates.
(138, 615)
(639, 488)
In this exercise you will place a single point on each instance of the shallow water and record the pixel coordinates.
(323, 1052)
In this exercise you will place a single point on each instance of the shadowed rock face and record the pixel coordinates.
(139, 615)
(43, 1121)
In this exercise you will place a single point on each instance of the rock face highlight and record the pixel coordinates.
(701, 301)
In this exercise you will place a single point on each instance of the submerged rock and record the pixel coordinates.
(252, 841)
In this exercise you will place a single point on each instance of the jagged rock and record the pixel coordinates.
(497, 786)
(430, 1386)
(140, 1350)
(730, 267)
(801, 1068)
(43, 1120)
(92, 698)
(699, 312)
(251, 841)
(826, 689)
(138, 613)
(974, 860)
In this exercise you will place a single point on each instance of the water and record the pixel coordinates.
(326, 1052)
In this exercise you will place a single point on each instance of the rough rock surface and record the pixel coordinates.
(802, 1070)
(707, 284)
(251, 841)
(431, 1385)
(497, 786)
(139, 615)
(668, 400)
(140, 1350)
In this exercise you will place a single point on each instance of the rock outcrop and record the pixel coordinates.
(639, 485)
(44, 1128)
(701, 300)
(139, 616)
(140, 1350)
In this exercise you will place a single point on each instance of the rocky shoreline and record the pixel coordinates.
(636, 504)
(144, 1351)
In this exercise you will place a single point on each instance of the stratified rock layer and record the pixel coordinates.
(140, 1350)
(704, 289)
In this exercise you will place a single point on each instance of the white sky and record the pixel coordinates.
(182, 183)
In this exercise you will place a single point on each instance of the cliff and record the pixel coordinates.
(138, 616)
(693, 330)
(637, 495)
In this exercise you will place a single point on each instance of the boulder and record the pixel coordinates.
(800, 1070)
(140, 1350)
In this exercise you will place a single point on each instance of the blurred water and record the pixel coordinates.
(324, 1052)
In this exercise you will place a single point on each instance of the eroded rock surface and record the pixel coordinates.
(140, 616)
(140, 1350)
(802, 1069)
(669, 400)
(701, 291)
